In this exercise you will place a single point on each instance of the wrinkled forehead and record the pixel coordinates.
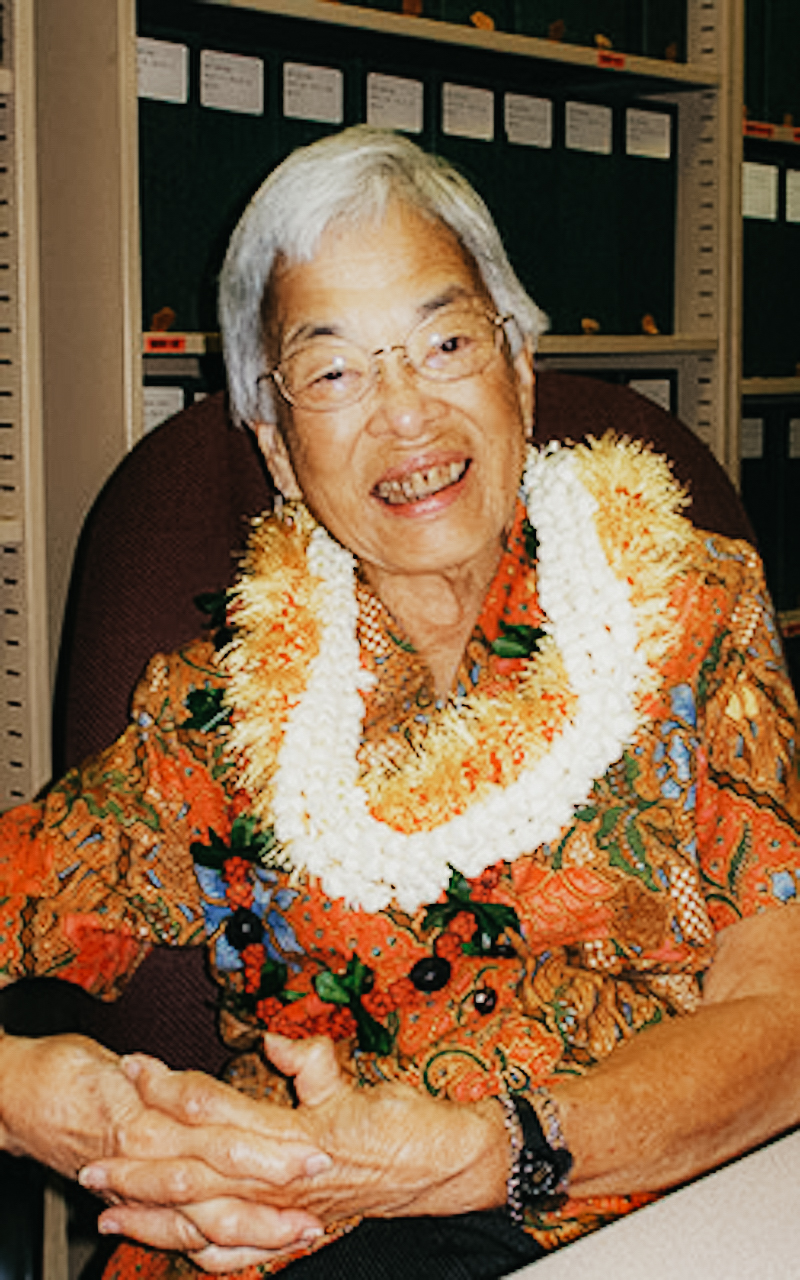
(369, 264)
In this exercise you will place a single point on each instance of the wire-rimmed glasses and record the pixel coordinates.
(326, 372)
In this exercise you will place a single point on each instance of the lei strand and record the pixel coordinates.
(321, 815)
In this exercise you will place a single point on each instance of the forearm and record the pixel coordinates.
(685, 1096)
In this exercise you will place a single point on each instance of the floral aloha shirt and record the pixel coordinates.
(530, 971)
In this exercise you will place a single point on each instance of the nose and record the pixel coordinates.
(402, 405)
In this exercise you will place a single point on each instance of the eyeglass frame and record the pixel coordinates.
(497, 320)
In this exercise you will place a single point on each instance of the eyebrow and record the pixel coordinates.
(308, 331)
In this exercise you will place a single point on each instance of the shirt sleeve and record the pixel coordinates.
(749, 783)
(100, 869)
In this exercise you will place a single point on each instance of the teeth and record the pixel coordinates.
(420, 484)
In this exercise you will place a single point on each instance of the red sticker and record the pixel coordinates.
(758, 129)
(172, 343)
(607, 58)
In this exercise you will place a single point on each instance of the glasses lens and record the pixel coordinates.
(454, 344)
(325, 374)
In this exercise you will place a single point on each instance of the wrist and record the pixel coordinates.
(540, 1162)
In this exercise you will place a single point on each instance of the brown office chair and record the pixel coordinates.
(168, 525)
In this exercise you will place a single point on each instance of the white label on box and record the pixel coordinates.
(793, 195)
(231, 82)
(760, 191)
(656, 389)
(467, 112)
(589, 128)
(752, 438)
(162, 70)
(794, 438)
(394, 102)
(648, 133)
(528, 121)
(161, 403)
(313, 93)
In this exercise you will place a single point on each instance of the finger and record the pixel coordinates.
(229, 1225)
(218, 1261)
(233, 1223)
(161, 1228)
(277, 1151)
(312, 1062)
(244, 1169)
(191, 1097)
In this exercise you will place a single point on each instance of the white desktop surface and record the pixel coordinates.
(740, 1223)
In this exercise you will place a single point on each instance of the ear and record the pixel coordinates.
(526, 385)
(273, 447)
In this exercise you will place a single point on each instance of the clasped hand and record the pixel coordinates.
(232, 1181)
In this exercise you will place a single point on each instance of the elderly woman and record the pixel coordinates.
(483, 811)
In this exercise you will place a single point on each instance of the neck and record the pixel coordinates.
(438, 611)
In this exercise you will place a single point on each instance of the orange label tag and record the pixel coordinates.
(171, 343)
(607, 58)
(758, 129)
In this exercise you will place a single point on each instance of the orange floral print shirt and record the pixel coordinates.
(695, 827)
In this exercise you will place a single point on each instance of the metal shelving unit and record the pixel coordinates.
(24, 687)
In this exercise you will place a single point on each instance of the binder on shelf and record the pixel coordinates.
(781, 64)
(663, 33)
(648, 177)
(770, 483)
(755, 98)
(771, 278)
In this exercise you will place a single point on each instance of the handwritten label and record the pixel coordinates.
(468, 112)
(313, 93)
(394, 102)
(648, 134)
(528, 121)
(162, 70)
(760, 191)
(589, 128)
(161, 403)
(231, 82)
(752, 438)
(793, 195)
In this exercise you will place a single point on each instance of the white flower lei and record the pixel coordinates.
(321, 815)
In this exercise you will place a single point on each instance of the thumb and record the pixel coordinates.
(312, 1062)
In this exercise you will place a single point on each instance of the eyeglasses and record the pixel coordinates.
(330, 373)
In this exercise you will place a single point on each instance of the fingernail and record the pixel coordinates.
(108, 1227)
(312, 1233)
(319, 1163)
(132, 1067)
(92, 1178)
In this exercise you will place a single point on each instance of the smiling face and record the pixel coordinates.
(419, 476)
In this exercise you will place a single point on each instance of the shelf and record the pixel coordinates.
(6, 80)
(771, 386)
(675, 75)
(634, 344)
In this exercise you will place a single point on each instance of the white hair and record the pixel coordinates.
(350, 176)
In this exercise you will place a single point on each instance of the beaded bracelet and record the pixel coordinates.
(540, 1161)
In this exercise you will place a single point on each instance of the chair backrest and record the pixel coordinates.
(167, 526)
